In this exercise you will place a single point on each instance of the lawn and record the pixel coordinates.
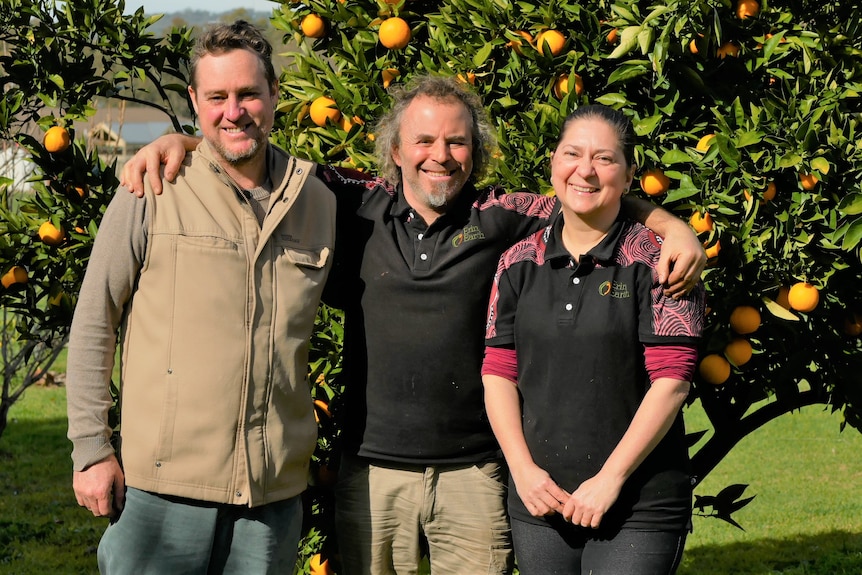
(806, 518)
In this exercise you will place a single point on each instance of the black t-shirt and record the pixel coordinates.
(415, 298)
(579, 331)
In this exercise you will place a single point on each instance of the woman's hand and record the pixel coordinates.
(590, 502)
(539, 493)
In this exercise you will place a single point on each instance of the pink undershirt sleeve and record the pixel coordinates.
(501, 361)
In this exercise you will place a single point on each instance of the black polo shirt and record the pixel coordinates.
(579, 331)
(415, 298)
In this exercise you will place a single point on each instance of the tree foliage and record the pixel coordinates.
(779, 91)
(56, 61)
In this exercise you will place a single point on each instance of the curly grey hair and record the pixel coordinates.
(439, 88)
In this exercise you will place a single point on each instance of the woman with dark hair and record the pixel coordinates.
(586, 370)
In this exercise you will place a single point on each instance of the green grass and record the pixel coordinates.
(806, 518)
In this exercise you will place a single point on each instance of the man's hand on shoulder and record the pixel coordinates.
(169, 150)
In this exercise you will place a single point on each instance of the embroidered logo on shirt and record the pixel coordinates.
(468, 234)
(614, 289)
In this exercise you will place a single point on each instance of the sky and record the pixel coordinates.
(216, 6)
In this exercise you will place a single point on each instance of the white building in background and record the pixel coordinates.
(15, 166)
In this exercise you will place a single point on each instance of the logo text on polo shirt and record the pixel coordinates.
(614, 289)
(468, 234)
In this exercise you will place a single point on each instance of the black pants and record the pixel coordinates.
(543, 550)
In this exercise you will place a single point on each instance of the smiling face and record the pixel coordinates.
(434, 152)
(236, 107)
(589, 171)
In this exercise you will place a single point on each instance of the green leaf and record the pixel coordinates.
(675, 156)
(820, 164)
(853, 235)
(851, 204)
(628, 40)
(778, 310)
(482, 55)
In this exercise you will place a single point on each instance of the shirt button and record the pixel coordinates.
(421, 236)
(423, 257)
(239, 493)
(568, 307)
(576, 281)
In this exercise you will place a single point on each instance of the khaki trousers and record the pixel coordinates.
(383, 513)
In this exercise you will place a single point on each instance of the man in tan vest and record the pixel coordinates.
(213, 291)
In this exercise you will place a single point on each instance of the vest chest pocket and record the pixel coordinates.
(313, 259)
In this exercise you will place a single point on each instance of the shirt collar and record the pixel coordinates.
(603, 252)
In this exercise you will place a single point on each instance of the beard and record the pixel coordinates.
(238, 158)
(435, 196)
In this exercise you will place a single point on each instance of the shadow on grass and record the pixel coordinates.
(830, 553)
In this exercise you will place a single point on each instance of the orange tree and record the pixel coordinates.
(55, 61)
(748, 115)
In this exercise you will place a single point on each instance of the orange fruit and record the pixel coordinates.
(394, 33)
(516, 44)
(313, 26)
(712, 251)
(853, 324)
(727, 49)
(561, 86)
(714, 369)
(692, 46)
(803, 297)
(808, 181)
(323, 108)
(613, 36)
(51, 235)
(319, 566)
(654, 182)
(704, 142)
(388, 75)
(769, 193)
(347, 123)
(57, 139)
(744, 319)
(553, 39)
(701, 223)
(738, 351)
(469, 78)
(747, 8)
(15, 275)
(781, 299)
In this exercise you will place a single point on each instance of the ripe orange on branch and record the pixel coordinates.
(727, 49)
(395, 33)
(319, 566)
(803, 297)
(51, 235)
(747, 9)
(701, 223)
(654, 182)
(313, 26)
(744, 319)
(714, 369)
(808, 181)
(323, 108)
(738, 351)
(57, 139)
(15, 275)
(516, 44)
(553, 39)
(561, 86)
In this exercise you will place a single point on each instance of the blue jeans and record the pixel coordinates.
(543, 550)
(159, 535)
